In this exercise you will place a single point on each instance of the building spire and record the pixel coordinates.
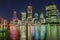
(14, 14)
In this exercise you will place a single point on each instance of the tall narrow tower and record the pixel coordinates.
(42, 26)
(23, 26)
(36, 27)
(29, 9)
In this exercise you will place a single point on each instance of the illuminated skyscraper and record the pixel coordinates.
(29, 9)
(14, 27)
(51, 13)
(42, 26)
(42, 18)
(23, 26)
(51, 19)
(36, 27)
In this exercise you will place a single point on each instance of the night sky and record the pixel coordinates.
(8, 6)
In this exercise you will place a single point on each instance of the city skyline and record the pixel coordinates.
(29, 21)
(8, 6)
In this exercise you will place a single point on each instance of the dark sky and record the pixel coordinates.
(8, 6)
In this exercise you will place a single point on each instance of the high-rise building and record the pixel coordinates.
(29, 10)
(51, 19)
(36, 27)
(51, 9)
(14, 27)
(42, 26)
(23, 16)
(51, 13)
(23, 26)
(42, 18)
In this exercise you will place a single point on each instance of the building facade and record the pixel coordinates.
(51, 19)
(23, 26)
(29, 10)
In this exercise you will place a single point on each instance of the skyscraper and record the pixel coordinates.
(14, 27)
(36, 27)
(42, 26)
(23, 26)
(29, 10)
(51, 19)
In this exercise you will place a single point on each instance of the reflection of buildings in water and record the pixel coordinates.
(53, 31)
(42, 31)
(58, 29)
(29, 31)
(36, 32)
(23, 30)
(33, 30)
(13, 32)
(48, 26)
